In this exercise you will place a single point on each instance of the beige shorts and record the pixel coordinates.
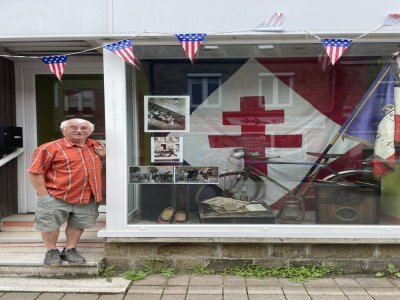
(51, 213)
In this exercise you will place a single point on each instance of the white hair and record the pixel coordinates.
(65, 123)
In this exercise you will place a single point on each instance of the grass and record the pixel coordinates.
(297, 274)
(391, 271)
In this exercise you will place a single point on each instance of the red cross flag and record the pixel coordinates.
(191, 43)
(265, 106)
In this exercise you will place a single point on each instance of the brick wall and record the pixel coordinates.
(351, 258)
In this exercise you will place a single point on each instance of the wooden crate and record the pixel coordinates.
(346, 204)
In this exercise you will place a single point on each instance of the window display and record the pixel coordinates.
(244, 136)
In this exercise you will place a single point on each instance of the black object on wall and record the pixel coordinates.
(10, 139)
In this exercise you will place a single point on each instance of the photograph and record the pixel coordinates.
(166, 149)
(195, 175)
(151, 174)
(166, 113)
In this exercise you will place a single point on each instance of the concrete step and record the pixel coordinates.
(27, 260)
(22, 251)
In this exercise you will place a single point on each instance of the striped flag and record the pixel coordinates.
(376, 120)
(273, 24)
(124, 50)
(335, 48)
(392, 20)
(56, 64)
(191, 42)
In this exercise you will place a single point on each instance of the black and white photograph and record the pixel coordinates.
(195, 175)
(151, 174)
(166, 113)
(166, 149)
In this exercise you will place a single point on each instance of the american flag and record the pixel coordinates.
(124, 50)
(56, 64)
(392, 20)
(191, 42)
(273, 24)
(335, 48)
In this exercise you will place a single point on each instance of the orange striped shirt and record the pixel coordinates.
(72, 173)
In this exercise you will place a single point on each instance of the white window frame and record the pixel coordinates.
(117, 191)
(204, 82)
(275, 88)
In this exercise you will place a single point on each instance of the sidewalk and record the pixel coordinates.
(195, 287)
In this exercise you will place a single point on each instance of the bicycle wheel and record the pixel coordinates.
(237, 184)
(355, 176)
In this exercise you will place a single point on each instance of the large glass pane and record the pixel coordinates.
(254, 125)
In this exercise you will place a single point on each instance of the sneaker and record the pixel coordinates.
(72, 256)
(52, 258)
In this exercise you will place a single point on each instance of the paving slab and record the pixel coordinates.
(374, 282)
(19, 296)
(87, 285)
(204, 290)
(206, 280)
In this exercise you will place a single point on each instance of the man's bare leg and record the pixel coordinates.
(50, 238)
(73, 236)
(70, 253)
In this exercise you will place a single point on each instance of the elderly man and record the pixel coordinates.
(66, 174)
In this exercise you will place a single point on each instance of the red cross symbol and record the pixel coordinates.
(252, 119)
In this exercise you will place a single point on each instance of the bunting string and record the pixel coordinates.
(191, 43)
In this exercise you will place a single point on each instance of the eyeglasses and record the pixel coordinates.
(82, 128)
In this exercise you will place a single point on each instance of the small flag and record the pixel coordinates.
(392, 20)
(191, 42)
(56, 64)
(273, 24)
(335, 48)
(124, 50)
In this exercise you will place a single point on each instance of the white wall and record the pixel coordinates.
(21, 18)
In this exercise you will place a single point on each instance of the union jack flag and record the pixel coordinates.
(191, 42)
(124, 50)
(335, 48)
(56, 64)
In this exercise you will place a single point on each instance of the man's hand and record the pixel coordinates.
(100, 151)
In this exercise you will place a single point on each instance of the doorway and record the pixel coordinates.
(76, 96)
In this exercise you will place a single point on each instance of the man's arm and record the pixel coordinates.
(38, 183)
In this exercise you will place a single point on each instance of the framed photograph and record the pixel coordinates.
(151, 174)
(166, 149)
(195, 175)
(166, 113)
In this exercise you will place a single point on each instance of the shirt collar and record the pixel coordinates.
(89, 142)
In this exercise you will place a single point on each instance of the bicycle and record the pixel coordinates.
(248, 183)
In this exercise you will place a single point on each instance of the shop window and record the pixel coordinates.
(254, 130)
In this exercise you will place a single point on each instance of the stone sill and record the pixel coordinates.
(231, 240)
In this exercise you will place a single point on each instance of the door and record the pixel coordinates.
(76, 96)
(43, 102)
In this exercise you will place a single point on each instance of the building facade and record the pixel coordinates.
(213, 160)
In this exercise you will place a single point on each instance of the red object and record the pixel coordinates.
(252, 119)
